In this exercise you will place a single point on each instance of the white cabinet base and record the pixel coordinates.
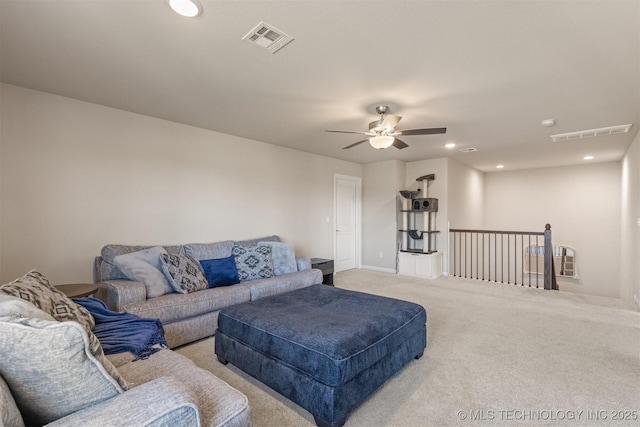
(421, 265)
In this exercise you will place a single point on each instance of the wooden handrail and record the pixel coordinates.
(526, 233)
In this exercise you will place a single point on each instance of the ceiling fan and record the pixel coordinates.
(383, 134)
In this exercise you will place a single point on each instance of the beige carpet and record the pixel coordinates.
(496, 354)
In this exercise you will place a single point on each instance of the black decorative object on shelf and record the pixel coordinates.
(415, 234)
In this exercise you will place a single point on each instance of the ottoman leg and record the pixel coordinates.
(322, 423)
(222, 360)
(419, 356)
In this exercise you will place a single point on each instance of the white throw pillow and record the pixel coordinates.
(145, 266)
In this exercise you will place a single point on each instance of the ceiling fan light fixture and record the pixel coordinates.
(187, 8)
(381, 141)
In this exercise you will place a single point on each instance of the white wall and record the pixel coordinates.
(630, 227)
(582, 204)
(465, 196)
(381, 183)
(75, 176)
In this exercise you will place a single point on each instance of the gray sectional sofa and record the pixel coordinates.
(53, 372)
(192, 316)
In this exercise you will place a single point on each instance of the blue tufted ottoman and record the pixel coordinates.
(326, 349)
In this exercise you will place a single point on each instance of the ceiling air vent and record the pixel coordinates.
(611, 130)
(468, 150)
(268, 37)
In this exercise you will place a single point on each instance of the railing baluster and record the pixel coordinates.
(529, 260)
(477, 257)
(508, 258)
(505, 256)
(495, 256)
(489, 258)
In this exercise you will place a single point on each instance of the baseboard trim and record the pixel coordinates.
(384, 270)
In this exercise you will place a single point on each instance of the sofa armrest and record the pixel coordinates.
(118, 293)
(303, 263)
(162, 402)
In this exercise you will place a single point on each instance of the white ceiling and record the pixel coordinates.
(489, 71)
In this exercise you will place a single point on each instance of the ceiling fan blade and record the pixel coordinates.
(354, 144)
(390, 122)
(428, 131)
(399, 144)
(345, 131)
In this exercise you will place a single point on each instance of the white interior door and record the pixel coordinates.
(347, 239)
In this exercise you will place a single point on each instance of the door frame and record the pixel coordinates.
(358, 225)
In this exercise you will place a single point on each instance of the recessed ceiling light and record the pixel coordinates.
(450, 145)
(588, 157)
(500, 167)
(548, 122)
(188, 8)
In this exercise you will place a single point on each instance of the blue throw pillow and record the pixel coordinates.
(220, 271)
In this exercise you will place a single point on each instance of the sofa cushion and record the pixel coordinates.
(220, 271)
(184, 273)
(109, 252)
(261, 288)
(36, 289)
(253, 262)
(176, 307)
(283, 256)
(254, 242)
(50, 369)
(104, 267)
(218, 402)
(161, 402)
(10, 414)
(200, 251)
(145, 266)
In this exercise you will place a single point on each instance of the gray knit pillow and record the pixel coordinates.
(50, 369)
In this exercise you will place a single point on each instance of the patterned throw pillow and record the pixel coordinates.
(36, 289)
(184, 273)
(253, 262)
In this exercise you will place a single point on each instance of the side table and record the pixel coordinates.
(326, 265)
(78, 290)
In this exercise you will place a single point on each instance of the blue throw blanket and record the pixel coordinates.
(118, 332)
